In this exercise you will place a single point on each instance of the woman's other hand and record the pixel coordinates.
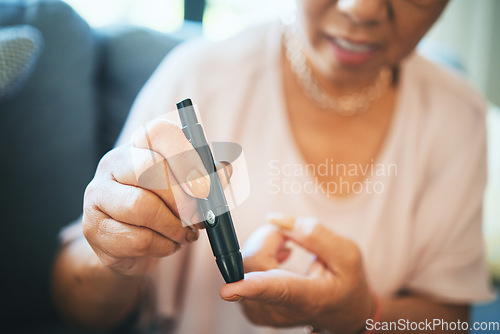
(332, 295)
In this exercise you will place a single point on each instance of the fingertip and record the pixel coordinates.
(236, 288)
(227, 291)
(278, 219)
(306, 225)
(192, 235)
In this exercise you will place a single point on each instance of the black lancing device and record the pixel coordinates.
(214, 208)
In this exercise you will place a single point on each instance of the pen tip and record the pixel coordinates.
(186, 111)
(184, 103)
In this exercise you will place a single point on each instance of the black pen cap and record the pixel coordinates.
(231, 266)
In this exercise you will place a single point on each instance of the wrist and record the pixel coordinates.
(88, 293)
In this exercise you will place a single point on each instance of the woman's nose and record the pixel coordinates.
(366, 12)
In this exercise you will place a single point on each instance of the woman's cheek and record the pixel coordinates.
(407, 32)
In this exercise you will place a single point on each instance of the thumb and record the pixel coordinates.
(167, 139)
(276, 286)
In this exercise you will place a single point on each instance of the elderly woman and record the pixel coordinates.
(340, 121)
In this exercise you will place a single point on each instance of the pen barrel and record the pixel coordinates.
(221, 233)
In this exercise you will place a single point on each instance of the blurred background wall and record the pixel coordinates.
(472, 29)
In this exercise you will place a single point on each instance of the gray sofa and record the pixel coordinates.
(52, 134)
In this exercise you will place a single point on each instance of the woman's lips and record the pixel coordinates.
(352, 53)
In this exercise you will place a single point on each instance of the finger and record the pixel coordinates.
(112, 239)
(258, 313)
(140, 207)
(167, 139)
(261, 249)
(273, 315)
(330, 248)
(184, 206)
(147, 169)
(283, 254)
(278, 287)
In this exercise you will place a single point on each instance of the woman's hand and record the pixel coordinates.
(135, 206)
(333, 295)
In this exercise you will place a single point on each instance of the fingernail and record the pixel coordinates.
(278, 219)
(233, 298)
(198, 184)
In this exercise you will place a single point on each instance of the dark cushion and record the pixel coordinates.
(128, 57)
(47, 140)
(19, 50)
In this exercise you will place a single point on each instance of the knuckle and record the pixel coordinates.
(163, 127)
(138, 204)
(104, 163)
(109, 159)
(141, 243)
